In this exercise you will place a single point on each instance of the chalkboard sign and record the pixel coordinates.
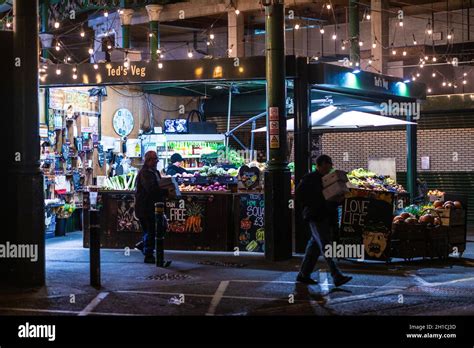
(252, 223)
(186, 215)
(367, 218)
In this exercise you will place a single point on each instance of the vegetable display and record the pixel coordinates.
(122, 182)
(203, 188)
(366, 179)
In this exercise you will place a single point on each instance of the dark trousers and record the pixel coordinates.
(149, 231)
(320, 236)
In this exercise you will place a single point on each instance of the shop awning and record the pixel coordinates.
(333, 117)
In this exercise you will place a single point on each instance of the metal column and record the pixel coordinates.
(302, 146)
(24, 173)
(277, 177)
(411, 158)
(354, 30)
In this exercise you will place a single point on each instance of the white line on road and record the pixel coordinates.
(217, 297)
(61, 311)
(323, 282)
(293, 282)
(94, 303)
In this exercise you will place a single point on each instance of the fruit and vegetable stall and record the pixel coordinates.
(375, 214)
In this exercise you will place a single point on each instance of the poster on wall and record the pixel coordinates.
(367, 219)
(252, 223)
(126, 220)
(186, 215)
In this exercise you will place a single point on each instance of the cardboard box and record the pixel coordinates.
(336, 191)
(170, 184)
(331, 178)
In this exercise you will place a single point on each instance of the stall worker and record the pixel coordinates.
(176, 165)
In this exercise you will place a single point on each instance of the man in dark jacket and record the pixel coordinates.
(148, 193)
(322, 217)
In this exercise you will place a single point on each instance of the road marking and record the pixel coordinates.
(94, 303)
(217, 297)
(60, 311)
(323, 282)
(329, 284)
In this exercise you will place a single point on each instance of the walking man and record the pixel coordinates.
(322, 217)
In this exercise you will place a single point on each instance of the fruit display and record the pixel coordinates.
(216, 171)
(365, 179)
(448, 205)
(203, 188)
(426, 217)
(436, 193)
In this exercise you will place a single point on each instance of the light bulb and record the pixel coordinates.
(106, 14)
(415, 42)
(368, 16)
(58, 47)
(69, 59)
(374, 45)
(9, 24)
(444, 84)
(297, 26)
(449, 36)
(109, 46)
(370, 61)
(150, 34)
(74, 76)
(343, 47)
(413, 78)
(237, 12)
(427, 58)
(429, 31)
(83, 34)
(120, 11)
(96, 66)
(400, 23)
(433, 74)
(429, 90)
(208, 43)
(162, 56)
(464, 82)
(334, 36)
(361, 43)
(91, 51)
(417, 74)
(212, 36)
(404, 53)
(328, 6)
(56, 25)
(160, 65)
(465, 74)
(190, 54)
(434, 59)
(450, 84)
(126, 63)
(74, 69)
(58, 71)
(158, 51)
(394, 52)
(321, 30)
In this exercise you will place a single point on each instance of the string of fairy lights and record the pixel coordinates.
(208, 36)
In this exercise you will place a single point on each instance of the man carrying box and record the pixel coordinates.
(322, 216)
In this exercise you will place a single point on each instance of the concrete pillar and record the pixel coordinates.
(126, 22)
(154, 17)
(380, 30)
(235, 30)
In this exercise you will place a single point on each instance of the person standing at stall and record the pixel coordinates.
(148, 193)
(321, 216)
(176, 165)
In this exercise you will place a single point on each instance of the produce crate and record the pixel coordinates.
(457, 239)
(452, 217)
(437, 242)
(408, 241)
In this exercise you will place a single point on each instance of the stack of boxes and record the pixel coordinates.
(335, 186)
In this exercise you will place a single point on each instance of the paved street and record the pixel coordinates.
(200, 283)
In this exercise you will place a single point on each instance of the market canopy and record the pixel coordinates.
(333, 117)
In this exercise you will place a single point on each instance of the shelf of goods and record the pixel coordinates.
(69, 152)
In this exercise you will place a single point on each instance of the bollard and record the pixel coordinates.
(94, 247)
(160, 235)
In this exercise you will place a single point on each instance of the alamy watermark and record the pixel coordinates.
(344, 251)
(393, 108)
(37, 331)
(19, 251)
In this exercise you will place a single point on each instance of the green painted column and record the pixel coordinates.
(278, 239)
(354, 30)
(126, 21)
(411, 158)
(154, 11)
(44, 27)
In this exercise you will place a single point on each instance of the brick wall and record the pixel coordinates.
(448, 149)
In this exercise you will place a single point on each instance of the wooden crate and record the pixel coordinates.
(408, 241)
(457, 235)
(452, 217)
(437, 242)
